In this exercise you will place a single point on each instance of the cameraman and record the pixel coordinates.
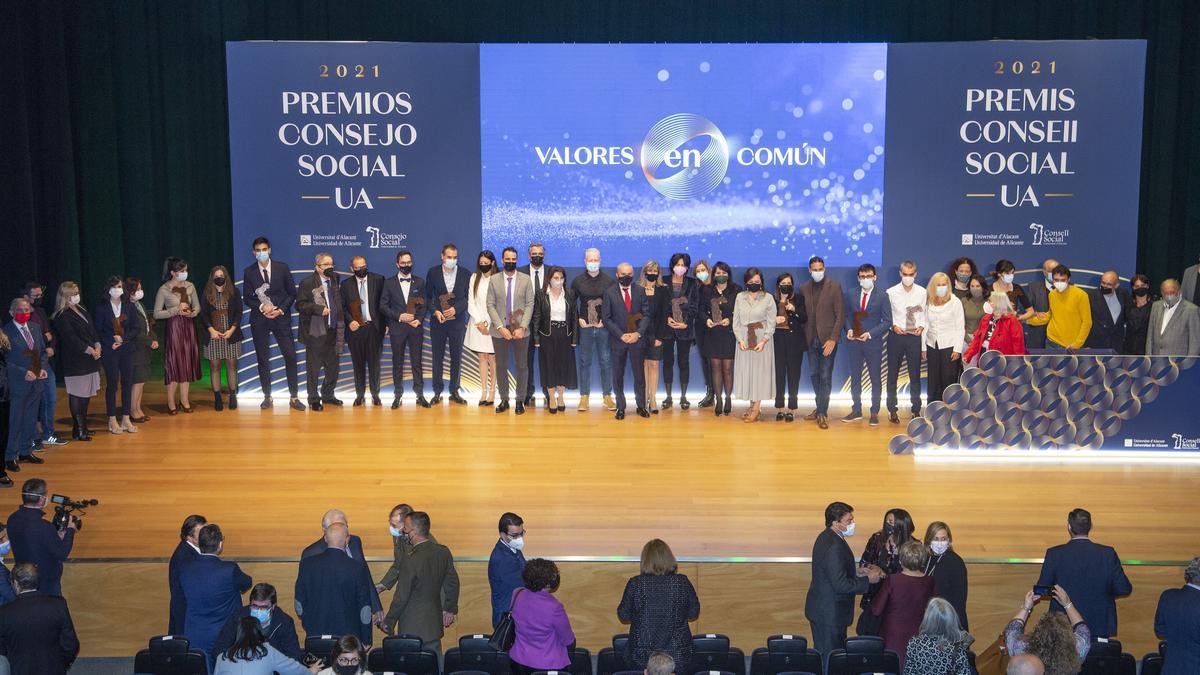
(35, 540)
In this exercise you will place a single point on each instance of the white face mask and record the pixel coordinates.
(850, 530)
(556, 283)
(908, 280)
(1006, 278)
(941, 291)
(1060, 286)
(818, 275)
(516, 543)
(867, 284)
(138, 294)
(182, 276)
(987, 308)
(939, 547)
(74, 299)
(115, 293)
(680, 270)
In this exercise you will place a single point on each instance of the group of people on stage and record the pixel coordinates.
(913, 594)
(752, 338)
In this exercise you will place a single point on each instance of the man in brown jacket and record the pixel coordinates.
(425, 578)
(826, 315)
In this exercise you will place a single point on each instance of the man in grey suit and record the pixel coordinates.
(510, 308)
(829, 606)
(1174, 328)
(1191, 284)
(426, 599)
(1038, 292)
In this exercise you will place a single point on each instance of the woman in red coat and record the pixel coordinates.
(999, 330)
(901, 601)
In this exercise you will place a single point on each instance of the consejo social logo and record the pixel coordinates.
(696, 172)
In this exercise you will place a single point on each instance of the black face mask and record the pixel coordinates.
(485, 267)
(405, 269)
(537, 260)
(1106, 291)
(360, 273)
(651, 277)
(1141, 291)
(510, 267)
(721, 279)
(889, 529)
(754, 287)
(219, 281)
(331, 273)
(625, 279)
(37, 302)
(785, 290)
(345, 670)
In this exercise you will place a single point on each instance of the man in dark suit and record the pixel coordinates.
(624, 301)
(869, 309)
(319, 304)
(829, 606)
(36, 632)
(212, 589)
(333, 591)
(354, 549)
(35, 540)
(506, 564)
(275, 623)
(449, 323)
(360, 297)
(35, 293)
(1038, 291)
(426, 599)
(269, 292)
(27, 379)
(1109, 304)
(402, 303)
(536, 269)
(1090, 573)
(1177, 620)
(186, 551)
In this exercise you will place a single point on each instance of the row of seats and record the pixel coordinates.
(713, 655)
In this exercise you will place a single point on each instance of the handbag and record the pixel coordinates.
(993, 660)
(505, 632)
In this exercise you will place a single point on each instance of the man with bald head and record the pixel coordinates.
(1109, 303)
(333, 592)
(1174, 328)
(353, 548)
(1038, 291)
(625, 312)
(1025, 664)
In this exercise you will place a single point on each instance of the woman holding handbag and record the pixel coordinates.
(544, 639)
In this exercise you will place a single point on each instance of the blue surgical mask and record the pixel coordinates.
(262, 256)
(262, 615)
(593, 267)
(450, 263)
(818, 276)
(393, 531)
(1006, 278)
(5, 548)
(1049, 277)
(702, 276)
(942, 291)
(867, 284)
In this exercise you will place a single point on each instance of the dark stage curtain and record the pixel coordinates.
(114, 140)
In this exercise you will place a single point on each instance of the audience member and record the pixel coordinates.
(1025, 664)
(253, 654)
(658, 603)
(883, 551)
(426, 598)
(1177, 620)
(659, 663)
(212, 590)
(544, 637)
(506, 565)
(940, 645)
(829, 606)
(187, 550)
(354, 549)
(275, 624)
(900, 604)
(36, 632)
(333, 591)
(1061, 642)
(947, 568)
(1090, 572)
(349, 657)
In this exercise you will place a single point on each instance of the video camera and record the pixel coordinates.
(64, 507)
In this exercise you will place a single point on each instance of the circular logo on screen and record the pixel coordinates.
(678, 168)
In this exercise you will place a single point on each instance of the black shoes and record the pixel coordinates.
(684, 404)
(396, 403)
(31, 459)
(642, 412)
(708, 400)
(358, 402)
(232, 401)
(529, 401)
(455, 398)
(218, 401)
(520, 407)
(12, 466)
(893, 417)
(5, 481)
(667, 403)
(620, 413)
(316, 405)
(422, 402)
(266, 403)
(503, 407)
(374, 401)
(436, 400)
(789, 417)
(874, 420)
(296, 404)
(337, 401)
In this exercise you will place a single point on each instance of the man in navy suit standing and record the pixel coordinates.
(1090, 573)
(622, 302)
(332, 590)
(449, 322)
(506, 564)
(27, 378)
(871, 312)
(1177, 621)
(269, 292)
(402, 304)
(212, 589)
(354, 549)
(186, 551)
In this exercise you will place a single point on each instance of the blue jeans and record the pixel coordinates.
(822, 373)
(870, 355)
(49, 399)
(594, 339)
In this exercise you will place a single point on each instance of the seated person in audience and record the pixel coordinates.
(275, 624)
(902, 598)
(348, 657)
(1025, 664)
(1061, 642)
(940, 647)
(252, 654)
(1177, 620)
(187, 550)
(333, 590)
(36, 632)
(6, 591)
(660, 663)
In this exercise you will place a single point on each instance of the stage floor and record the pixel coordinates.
(587, 485)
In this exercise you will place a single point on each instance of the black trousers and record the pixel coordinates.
(623, 353)
(442, 333)
(262, 332)
(321, 356)
(680, 350)
(705, 365)
(789, 357)
(406, 338)
(118, 369)
(942, 371)
(366, 347)
(531, 385)
(827, 637)
(906, 349)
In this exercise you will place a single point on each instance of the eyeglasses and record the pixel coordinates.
(348, 661)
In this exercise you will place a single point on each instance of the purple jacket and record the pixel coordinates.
(543, 631)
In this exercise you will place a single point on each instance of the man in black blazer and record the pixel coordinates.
(1109, 304)
(35, 539)
(319, 305)
(331, 590)
(1038, 292)
(360, 297)
(402, 304)
(1090, 573)
(622, 302)
(354, 549)
(829, 606)
(536, 269)
(276, 625)
(448, 324)
(36, 632)
(271, 314)
(1177, 620)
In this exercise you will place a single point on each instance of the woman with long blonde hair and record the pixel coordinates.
(942, 346)
(651, 281)
(79, 354)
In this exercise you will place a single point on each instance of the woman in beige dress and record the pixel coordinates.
(754, 361)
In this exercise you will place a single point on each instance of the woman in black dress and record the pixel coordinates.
(1138, 315)
(883, 551)
(147, 342)
(703, 273)
(947, 568)
(719, 343)
(678, 336)
(652, 342)
(658, 604)
(78, 355)
(789, 345)
(555, 327)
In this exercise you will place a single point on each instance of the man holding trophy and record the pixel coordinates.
(402, 303)
(269, 292)
(510, 309)
(868, 320)
(364, 322)
(321, 330)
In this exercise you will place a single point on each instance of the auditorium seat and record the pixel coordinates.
(1108, 664)
(320, 646)
(403, 654)
(611, 660)
(863, 654)
(785, 654)
(713, 653)
(474, 653)
(1152, 664)
(170, 655)
(581, 662)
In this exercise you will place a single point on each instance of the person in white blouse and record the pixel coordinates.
(946, 325)
(555, 328)
(479, 332)
(905, 343)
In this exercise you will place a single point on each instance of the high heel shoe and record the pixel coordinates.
(717, 409)
(779, 416)
(188, 409)
(728, 405)
(684, 404)
(667, 403)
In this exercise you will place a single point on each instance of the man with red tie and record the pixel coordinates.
(26, 370)
(868, 309)
(625, 312)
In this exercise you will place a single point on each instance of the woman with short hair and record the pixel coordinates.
(901, 601)
(947, 568)
(940, 646)
(543, 631)
(998, 330)
(658, 604)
